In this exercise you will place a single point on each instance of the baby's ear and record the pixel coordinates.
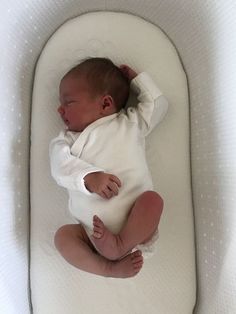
(108, 102)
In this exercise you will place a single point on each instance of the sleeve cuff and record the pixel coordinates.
(144, 82)
(81, 179)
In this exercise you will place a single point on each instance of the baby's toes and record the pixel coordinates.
(137, 255)
(97, 234)
(97, 221)
(98, 227)
(138, 264)
(137, 258)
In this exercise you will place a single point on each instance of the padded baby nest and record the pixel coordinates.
(203, 34)
(166, 283)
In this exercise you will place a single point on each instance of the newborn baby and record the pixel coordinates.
(100, 159)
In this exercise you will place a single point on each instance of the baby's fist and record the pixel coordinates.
(104, 184)
(128, 72)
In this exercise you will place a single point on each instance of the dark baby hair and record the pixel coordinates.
(104, 77)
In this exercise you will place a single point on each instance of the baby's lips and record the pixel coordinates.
(66, 121)
(63, 119)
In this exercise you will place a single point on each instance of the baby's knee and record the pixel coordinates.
(61, 237)
(154, 202)
(153, 198)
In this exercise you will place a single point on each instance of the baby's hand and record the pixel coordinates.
(104, 184)
(128, 72)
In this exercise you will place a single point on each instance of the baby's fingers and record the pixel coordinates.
(107, 193)
(124, 69)
(115, 179)
(113, 187)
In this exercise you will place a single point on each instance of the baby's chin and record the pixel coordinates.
(74, 129)
(77, 127)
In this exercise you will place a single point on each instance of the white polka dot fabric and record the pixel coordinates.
(203, 35)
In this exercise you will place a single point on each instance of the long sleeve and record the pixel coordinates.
(152, 106)
(68, 170)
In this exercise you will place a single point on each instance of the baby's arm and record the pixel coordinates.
(152, 105)
(76, 174)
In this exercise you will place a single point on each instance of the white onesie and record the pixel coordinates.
(114, 144)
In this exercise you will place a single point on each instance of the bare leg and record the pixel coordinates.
(141, 224)
(74, 245)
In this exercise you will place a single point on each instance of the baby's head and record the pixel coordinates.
(91, 90)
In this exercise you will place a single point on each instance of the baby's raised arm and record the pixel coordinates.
(152, 105)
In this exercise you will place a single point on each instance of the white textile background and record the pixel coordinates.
(203, 33)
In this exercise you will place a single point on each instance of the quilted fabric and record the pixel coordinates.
(174, 264)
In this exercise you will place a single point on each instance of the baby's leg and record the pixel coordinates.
(142, 223)
(74, 245)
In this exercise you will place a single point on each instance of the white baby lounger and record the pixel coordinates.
(199, 38)
(170, 275)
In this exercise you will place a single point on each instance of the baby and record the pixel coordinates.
(100, 159)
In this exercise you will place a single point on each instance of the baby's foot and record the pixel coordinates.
(129, 266)
(108, 244)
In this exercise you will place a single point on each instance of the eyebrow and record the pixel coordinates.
(64, 97)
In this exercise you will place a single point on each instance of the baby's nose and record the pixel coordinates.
(61, 110)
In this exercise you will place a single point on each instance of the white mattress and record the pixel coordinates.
(167, 282)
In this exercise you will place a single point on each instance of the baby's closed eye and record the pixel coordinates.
(70, 102)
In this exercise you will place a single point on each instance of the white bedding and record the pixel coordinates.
(166, 283)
